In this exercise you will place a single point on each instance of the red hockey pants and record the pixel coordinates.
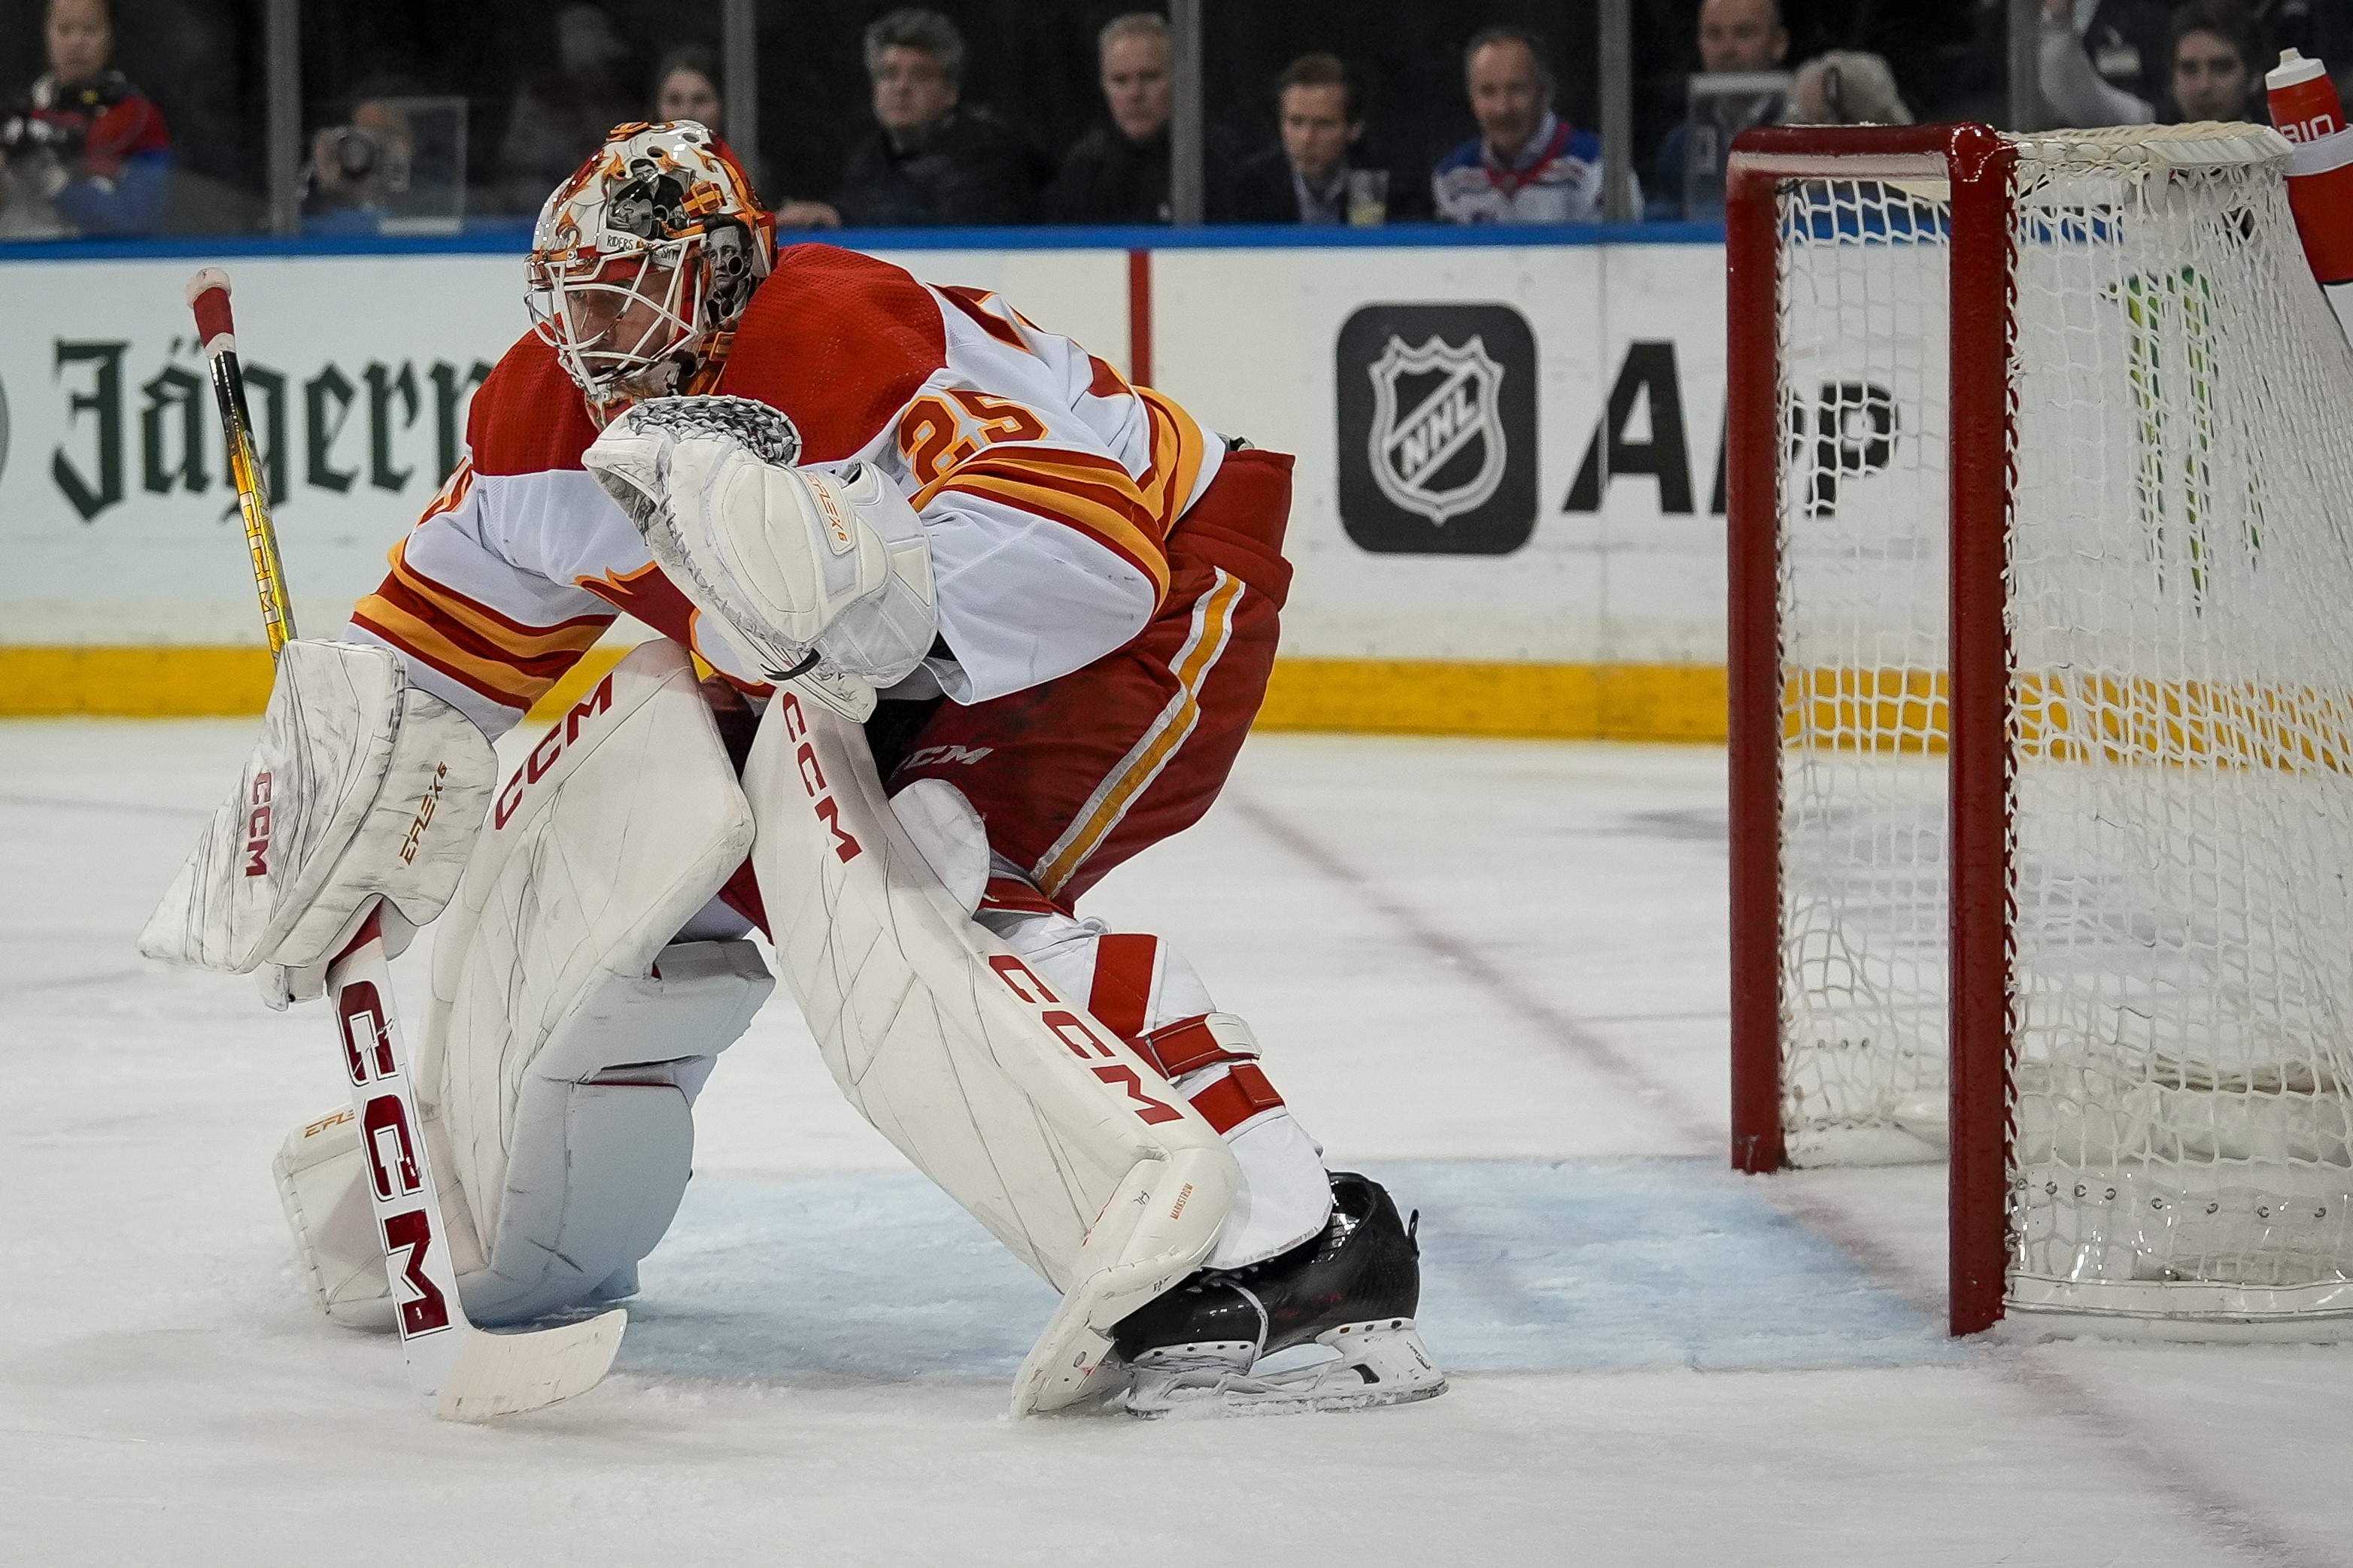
(1077, 775)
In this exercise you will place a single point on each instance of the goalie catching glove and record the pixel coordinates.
(810, 574)
(362, 788)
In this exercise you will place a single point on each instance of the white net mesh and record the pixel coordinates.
(2181, 580)
(1864, 571)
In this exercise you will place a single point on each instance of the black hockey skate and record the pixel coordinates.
(1220, 1338)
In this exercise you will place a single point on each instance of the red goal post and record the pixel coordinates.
(1976, 162)
(2039, 723)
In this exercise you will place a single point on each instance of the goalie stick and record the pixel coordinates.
(468, 1374)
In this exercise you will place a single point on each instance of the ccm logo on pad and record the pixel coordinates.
(257, 828)
(829, 812)
(1082, 1042)
(543, 756)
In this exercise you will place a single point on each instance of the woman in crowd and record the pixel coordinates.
(84, 151)
(686, 87)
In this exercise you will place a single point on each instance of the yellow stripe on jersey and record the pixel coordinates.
(524, 642)
(413, 633)
(505, 660)
(1178, 448)
(1213, 623)
(1091, 493)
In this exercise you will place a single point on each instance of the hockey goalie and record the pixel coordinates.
(956, 621)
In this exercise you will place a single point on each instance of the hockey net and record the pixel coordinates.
(2121, 916)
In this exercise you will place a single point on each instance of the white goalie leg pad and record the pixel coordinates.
(320, 1176)
(1036, 1118)
(601, 1137)
(550, 1049)
(597, 1169)
(567, 1033)
(1146, 987)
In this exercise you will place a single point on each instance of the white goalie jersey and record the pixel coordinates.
(1046, 485)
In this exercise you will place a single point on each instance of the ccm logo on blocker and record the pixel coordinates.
(256, 829)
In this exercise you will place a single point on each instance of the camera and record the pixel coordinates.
(396, 162)
(21, 134)
(359, 154)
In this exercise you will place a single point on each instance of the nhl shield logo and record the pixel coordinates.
(1445, 454)
(1436, 416)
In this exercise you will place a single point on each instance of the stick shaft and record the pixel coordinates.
(252, 501)
(207, 295)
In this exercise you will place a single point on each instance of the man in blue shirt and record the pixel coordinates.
(1736, 37)
(1526, 165)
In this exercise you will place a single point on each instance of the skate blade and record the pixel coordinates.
(1376, 1365)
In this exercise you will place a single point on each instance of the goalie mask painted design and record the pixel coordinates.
(642, 263)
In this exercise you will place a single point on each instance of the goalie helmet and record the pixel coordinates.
(642, 263)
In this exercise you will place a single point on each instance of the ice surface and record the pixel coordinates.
(1532, 1267)
(1491, 973)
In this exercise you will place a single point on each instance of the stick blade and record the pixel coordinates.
(506, 1374)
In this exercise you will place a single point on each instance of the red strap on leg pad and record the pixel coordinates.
(1234, 1099)
(1191, 1044)
(1127, 964)
(1011, 895)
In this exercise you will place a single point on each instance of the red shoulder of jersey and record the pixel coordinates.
(839, 342)
(528, 417)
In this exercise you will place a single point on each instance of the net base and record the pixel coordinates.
(2200, 1314)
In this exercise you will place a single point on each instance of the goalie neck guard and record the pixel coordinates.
(643, 261)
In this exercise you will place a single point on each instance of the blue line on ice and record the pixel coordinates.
(1607, 1267)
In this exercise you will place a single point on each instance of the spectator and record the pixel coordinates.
(2210, 63)
(1734, 35)
(1316, 174)
(1119, 172)
(85, 151)
(559, 119)
(355, 166)
(686, 87)
(2215, 74)
(933, 159)
(1845, 86)
(1526, 165)
(2098, 58)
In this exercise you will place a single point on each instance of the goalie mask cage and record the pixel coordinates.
(2041, 724)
